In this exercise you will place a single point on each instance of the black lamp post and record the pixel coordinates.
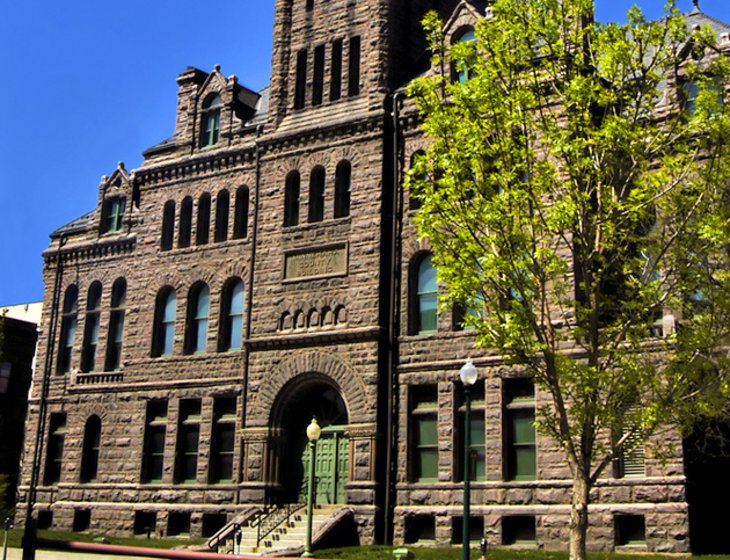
(468, 375)
(313, 433)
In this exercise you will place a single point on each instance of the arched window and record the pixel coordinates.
(342, 189)
(92, 443)
(211, 120)
(424, 297)
(69, 320)
(164, 328)
(116, 325)
(240, 220)
(291, 199)
(222, 204)
(461, 70)
(202, 230)
(186, 222)
(168, 225)
(91, 328)
(316, 194)
(232, 316)
(196, 336)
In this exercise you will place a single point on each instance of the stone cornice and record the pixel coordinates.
(204, 164)
(94, 249)
(366, 334)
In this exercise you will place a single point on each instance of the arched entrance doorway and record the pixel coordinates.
(302, 399)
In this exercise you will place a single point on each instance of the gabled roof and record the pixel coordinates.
(698, 17)
(74, 226)
(262, 108)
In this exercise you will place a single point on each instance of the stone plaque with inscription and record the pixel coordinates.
(330, 261)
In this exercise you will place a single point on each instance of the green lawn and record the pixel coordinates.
(418, 553)
(361, 552)
(15, 535)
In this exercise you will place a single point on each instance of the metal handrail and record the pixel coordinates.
(268, 523)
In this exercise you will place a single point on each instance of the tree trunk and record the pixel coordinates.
(579, 517)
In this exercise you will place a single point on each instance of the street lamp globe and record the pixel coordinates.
(468, 373)
(313, 430)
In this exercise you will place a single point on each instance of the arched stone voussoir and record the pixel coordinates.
(318, 364)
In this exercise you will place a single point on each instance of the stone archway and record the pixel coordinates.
(304, 397)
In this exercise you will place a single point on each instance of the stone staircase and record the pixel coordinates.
(287, 539)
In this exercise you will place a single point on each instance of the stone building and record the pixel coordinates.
(17, 350)
(262, 267)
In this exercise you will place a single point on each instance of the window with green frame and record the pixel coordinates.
(112, 219)
(211, 121)
(223, 440)
(188, 437)
(424, 433)
(424, 297)
(54, 453)
(153, 456)
(477, 424)
(519, 429)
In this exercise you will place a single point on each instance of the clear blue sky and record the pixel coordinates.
(88, 83)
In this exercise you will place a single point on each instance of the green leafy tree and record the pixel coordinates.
(576, 186)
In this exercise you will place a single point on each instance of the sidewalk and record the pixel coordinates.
(17, 554)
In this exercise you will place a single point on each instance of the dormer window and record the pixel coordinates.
(211, 119)
(112, 219)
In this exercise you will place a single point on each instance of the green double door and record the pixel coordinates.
(331, 467)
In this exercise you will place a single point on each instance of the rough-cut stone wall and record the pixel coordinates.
(318, 322)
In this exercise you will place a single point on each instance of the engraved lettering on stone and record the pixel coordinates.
(316, 263)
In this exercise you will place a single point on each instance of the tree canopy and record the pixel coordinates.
(576, 196)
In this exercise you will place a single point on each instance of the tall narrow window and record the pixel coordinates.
(222, 204)
(354, 67)
(316, 194)
(164, 327)
(310, 5)
(232, 316)
(202, 229)
(69, 320)
(291, 199)
(425, 297)
(211, 120)
(318, 77)
(476, 465)
(168, 225)
(336, 71)
(196, 335)
(343, 188)
(153, 454)
(631, 461)
(300, 87)
(54, 454)
(188, 437)
(91, 329)
(186, 222)
(519, 428)
(413, 202)
(116, 326)
(222, 444)
(112, 218)
(424, 433)
(92, 444)
(240, 220)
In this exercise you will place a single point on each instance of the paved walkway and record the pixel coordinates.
(17, 554)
